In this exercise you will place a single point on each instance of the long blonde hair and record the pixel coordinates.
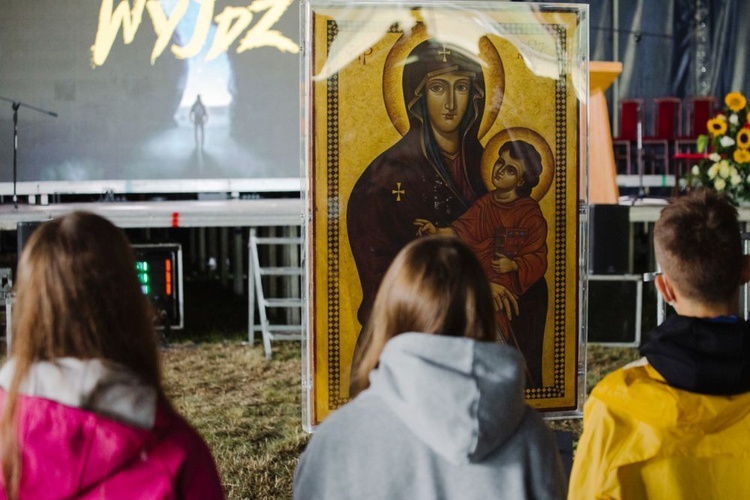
(434, 285)
(77, 295)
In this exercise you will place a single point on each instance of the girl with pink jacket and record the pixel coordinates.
(84, 413)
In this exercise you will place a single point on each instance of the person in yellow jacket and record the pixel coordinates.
(676, 424)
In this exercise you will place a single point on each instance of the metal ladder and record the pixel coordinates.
(291, 287)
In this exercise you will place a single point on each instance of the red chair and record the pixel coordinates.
(630, 115)
(700, 109)
(667, 120)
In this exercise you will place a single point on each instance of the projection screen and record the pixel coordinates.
(124, 78)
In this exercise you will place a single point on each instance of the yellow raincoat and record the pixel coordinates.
(643, 439)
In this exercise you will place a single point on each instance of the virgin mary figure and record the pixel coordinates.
(433, 169)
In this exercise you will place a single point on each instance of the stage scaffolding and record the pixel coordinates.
(285, 213)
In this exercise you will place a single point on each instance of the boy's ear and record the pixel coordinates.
(665, 288)
(745, 273)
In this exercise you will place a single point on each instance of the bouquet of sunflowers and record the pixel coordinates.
(727, 164)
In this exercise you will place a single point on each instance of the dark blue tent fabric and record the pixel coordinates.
(662, 47)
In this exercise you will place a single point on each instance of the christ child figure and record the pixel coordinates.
(508, 232)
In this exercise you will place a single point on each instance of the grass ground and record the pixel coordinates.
(246, 407)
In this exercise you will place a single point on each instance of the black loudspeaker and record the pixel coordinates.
(609, 239)
(612, 307)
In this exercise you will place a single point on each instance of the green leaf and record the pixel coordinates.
(701, 143)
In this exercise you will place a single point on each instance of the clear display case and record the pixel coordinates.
(407, 109)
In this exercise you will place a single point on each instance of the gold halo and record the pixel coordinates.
(489, 157)
(393, 71)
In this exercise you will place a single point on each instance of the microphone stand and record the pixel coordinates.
(642, 190)
(17, 104)
(639, 153)
(639, 130)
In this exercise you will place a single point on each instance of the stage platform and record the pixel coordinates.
(229, 213)
(152, 214)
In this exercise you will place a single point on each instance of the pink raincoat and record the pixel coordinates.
(87, 431)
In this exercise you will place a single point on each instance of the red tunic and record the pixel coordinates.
(524, 229)
(517, 230)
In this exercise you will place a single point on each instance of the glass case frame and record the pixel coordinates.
(528, 63)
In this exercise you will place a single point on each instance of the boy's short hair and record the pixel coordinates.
(698, 244)
(532, 162)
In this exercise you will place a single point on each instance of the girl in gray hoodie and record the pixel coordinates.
(438, 409)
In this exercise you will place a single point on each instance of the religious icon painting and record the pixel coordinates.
(463, 119)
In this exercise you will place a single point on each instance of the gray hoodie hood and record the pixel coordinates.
(462, 398)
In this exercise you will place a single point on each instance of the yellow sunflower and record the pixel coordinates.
(743, 138)
(735, 101)
(717, 126)
(741, 155)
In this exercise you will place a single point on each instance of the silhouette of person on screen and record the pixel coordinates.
(199, 116)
